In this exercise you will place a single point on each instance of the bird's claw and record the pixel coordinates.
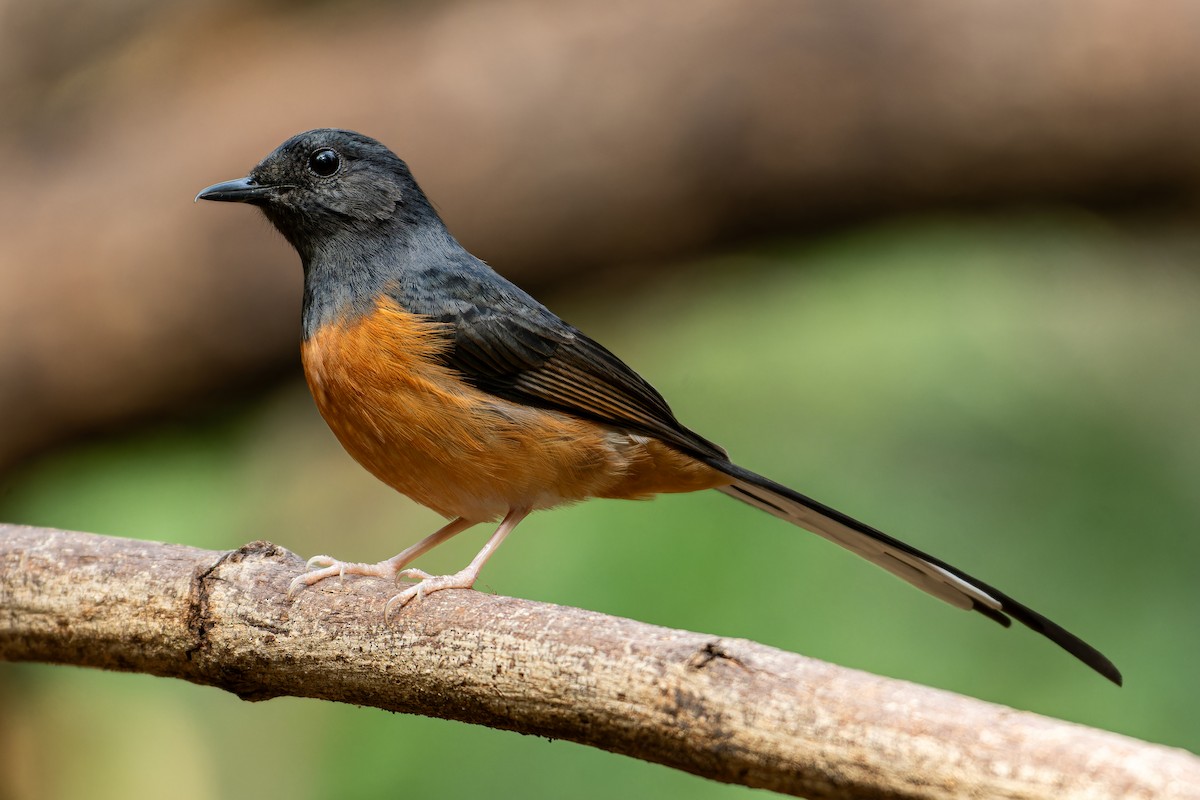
(317, 568)
(319, 562)
(427, 584)
(321, 567)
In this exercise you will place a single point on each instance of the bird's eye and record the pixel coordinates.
(324, 162)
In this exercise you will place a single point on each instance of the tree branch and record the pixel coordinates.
(726, 709)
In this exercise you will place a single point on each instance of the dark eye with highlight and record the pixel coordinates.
(324, 162)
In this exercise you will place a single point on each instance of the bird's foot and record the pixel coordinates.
(463, 579)
(322, 567)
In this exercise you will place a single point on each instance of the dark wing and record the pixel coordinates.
(528, 355)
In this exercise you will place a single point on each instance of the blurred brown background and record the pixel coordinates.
(554, 137)
(946, 171)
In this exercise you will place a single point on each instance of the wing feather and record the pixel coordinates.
(528, 355)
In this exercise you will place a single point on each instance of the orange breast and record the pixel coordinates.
(417, 427)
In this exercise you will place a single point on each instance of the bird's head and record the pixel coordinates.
(324, 182)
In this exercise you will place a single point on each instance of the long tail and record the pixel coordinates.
(921, 570)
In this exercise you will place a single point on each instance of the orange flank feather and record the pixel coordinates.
(414, 424)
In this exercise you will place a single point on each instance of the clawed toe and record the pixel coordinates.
(315, 575)
(400, 601)
(327, 567)
(428, 584)
(320, 562)
(416, 574)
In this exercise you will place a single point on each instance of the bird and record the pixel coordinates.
(458, 389)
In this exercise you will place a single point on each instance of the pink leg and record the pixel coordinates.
(464, 578)
(328, 567)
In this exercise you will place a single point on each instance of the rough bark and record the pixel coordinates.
(726, 709)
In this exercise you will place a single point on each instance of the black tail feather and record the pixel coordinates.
(920, 569)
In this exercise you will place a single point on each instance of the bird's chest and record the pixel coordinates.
(415, 425)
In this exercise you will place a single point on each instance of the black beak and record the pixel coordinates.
(243, 190)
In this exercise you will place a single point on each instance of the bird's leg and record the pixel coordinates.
(322, 567)
(464, 578)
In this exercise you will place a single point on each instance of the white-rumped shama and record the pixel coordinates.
(455, 387)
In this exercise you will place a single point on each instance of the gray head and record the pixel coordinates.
(325, 183)
(362, 227)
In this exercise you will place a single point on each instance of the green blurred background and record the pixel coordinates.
(1003, 374)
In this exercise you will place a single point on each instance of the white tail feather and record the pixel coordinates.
(926, 576)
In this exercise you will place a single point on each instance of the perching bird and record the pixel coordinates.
(455, 387)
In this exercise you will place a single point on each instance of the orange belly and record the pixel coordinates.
(417, 427)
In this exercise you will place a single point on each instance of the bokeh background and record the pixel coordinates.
(933, 263)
